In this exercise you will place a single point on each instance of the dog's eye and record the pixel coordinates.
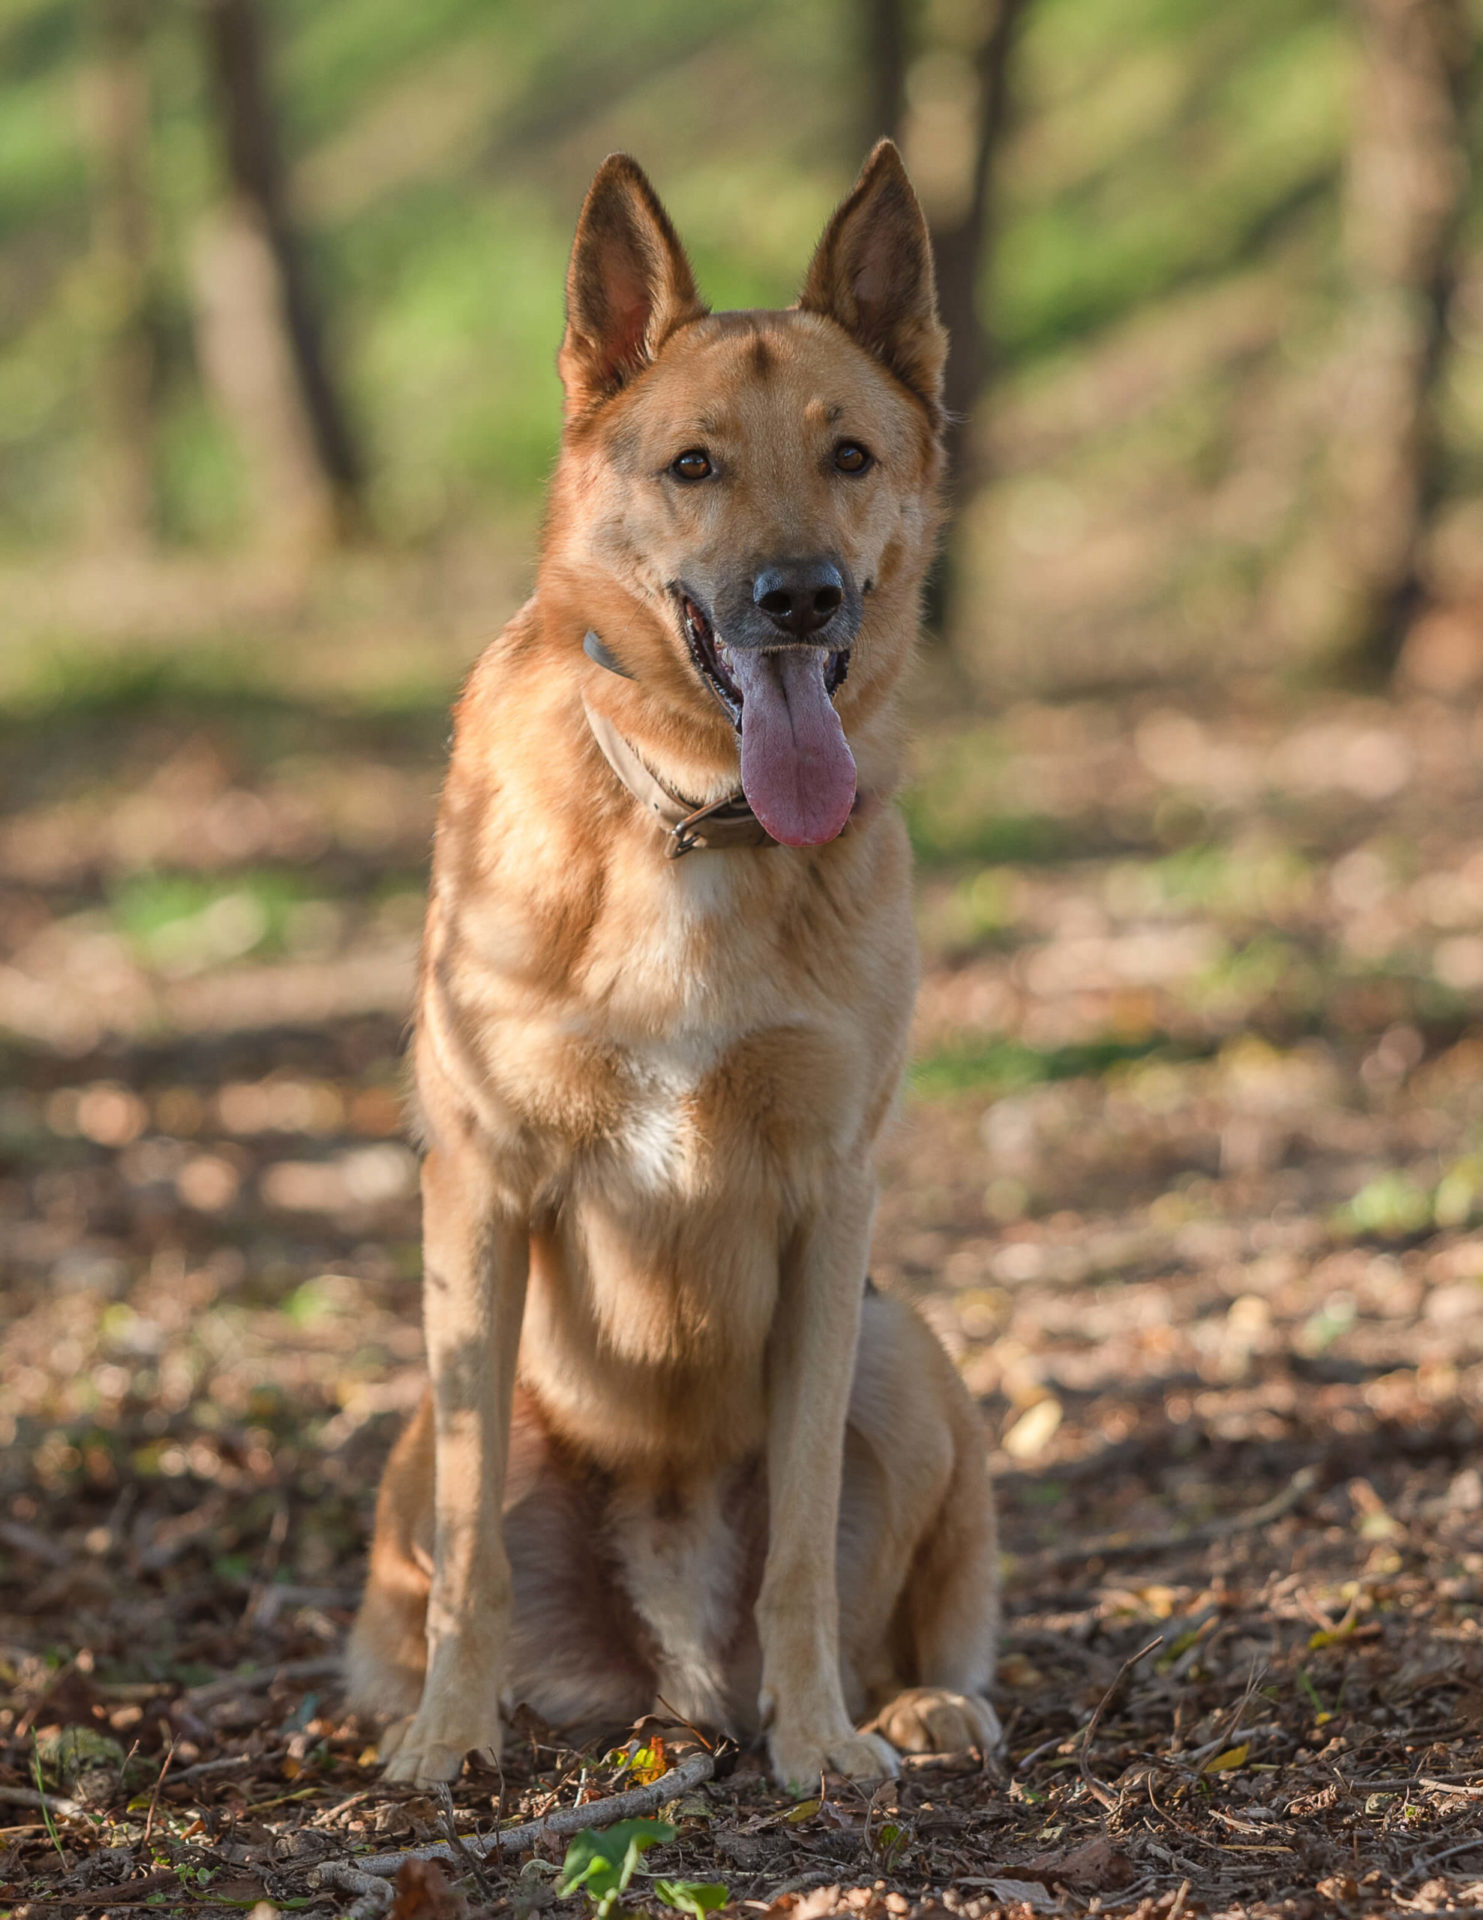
(851, 457)
(693, 464)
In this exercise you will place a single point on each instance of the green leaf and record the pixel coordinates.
(695, 1897)
(603, 1862)
(891, 1840)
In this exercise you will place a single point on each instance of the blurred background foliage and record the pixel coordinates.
(1204, 357)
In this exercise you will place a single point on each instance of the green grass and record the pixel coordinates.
(999, 1065)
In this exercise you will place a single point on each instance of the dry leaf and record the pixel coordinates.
(423, 1893)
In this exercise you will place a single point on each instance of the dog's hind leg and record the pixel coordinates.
(387, 1657)
(918, 1549)
(578, 1654)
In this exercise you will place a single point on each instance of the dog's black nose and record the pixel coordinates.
(800, 596)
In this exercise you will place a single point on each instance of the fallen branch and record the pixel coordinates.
(259, 1679)
(567, 1820)
(48, 1802)
(101, 1899)
(375, 1896)
(204, 1767)
(1125, 1546)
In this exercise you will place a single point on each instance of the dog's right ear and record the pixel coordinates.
(627, 289)
(872, 272)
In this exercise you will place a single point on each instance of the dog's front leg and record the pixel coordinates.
(475, 1262)
(811, 1365)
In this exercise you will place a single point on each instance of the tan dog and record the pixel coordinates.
(675, 1452)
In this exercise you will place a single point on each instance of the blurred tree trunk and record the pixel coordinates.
(119, 117)
(1405, 196)
(885, 71)
(954, 123)
(262, 334)
(962, 243)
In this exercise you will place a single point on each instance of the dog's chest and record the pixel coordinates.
(660, 1142)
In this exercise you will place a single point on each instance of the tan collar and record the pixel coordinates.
(723, 824)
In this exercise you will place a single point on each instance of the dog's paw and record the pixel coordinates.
(798, 1760)
(935, 1720)
(429, 1747)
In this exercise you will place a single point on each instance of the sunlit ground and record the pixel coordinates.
(1189, 1177)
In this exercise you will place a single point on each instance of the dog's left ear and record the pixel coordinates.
(627, 289)
(872, 272)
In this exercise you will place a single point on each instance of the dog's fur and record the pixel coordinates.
(661, 1388)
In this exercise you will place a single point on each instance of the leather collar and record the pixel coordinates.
(691, 828)
(722, 825)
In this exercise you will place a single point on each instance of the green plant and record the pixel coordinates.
(603, 1863)
(695, 1897)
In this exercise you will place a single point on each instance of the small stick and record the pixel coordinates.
(259, 1679)
(203, 1767)
(375, 1896)
(468, 1861)
(597, 1813)
(1093, 1785)
(101, 1899)
(154, 1798)
(48, 1802)
(1122, 1546)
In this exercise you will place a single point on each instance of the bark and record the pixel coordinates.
(1405, 196)
(262, 331)
(962, 244)
(955, 126)
(885, 71)
(124, 509)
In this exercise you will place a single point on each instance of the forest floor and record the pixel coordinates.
(1189, 1177)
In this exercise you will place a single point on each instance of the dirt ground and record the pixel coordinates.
(1189, 1178)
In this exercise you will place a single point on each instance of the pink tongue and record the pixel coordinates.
(796, 766)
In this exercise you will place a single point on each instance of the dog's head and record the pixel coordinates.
(750, 498)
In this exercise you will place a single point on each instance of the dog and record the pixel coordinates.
(677, 1454)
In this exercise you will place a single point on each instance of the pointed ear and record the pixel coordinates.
(628, 287)
(872, 272)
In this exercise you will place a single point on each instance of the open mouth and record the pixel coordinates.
(714, 663)
(797, 771)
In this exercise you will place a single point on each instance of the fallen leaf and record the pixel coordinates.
(1033, 1431)
(1095, 1866)
(423, 1893)
(1228, 1761)
(1030, 1892)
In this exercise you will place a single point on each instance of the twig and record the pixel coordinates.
(154, 1798)
(1475, 1845)
(204, 1767)
(259, 1679)
(26, 1539)
(1046, 1746)
(1093, 1785)
(1194, 1760)
(597, 1813)
(28, 1797)
(800, 1883)
(102, 1899)
(1123, 1546)
(375, 1896)
(1450, 1782)
(468, 1861)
